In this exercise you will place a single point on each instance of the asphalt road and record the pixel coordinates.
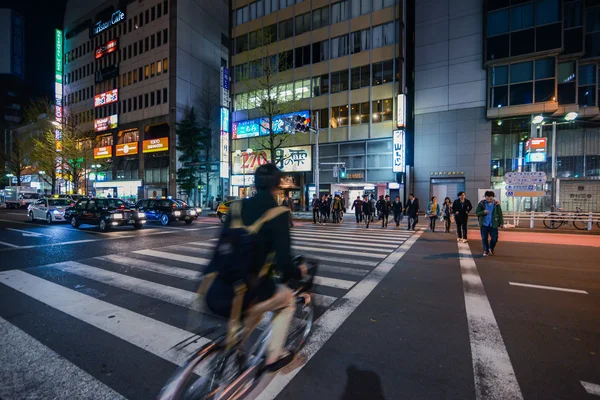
(93, 315)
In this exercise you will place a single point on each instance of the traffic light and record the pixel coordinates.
(301, 124)
(343, 173)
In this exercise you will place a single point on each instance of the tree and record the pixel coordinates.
(77, 153)
(16, 158)
(191, 143)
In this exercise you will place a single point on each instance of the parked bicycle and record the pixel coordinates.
(216, 372)
(578, 219)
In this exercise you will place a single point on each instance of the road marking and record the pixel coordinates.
(333, 318)
(333, 251)
(333, 282)
(344, 270)
(351, 261)
(558, 289)
(47, 374)
(349, 246)
(494, 374)
(14, 246)
(296, 239)
(367, 239)
(26, 233)
(373, 233)
(322, 300)
(16, 222)
(591, 388)
(175, 257)
(152, 266)
(146, 333)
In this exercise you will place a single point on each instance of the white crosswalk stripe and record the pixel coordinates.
(171, 256)
(152, 266)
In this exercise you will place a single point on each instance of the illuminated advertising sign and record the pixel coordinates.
(154, 145)
(535, 145)
(224, 143)
(398, 151)
(106, 123)
(224, 119)
(252, 127)
(103, 152)
(107, 73)
(535, 157)
(401, 114)
(289, 159)
(127, 149)
(58, 87)
(58, 67)
(103, 25)
(224, 87)
(106, 98)
(242, 180)
(107, 48)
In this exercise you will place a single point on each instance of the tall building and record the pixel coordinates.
(131, 70)
(504, 87)
(341, 64)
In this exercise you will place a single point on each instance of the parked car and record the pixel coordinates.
(166, 210)
(106, 213)
(48, 209)
(222, 210)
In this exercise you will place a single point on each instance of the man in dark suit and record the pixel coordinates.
(412, 211)
(461, 209)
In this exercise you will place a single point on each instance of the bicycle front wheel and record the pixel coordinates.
(553, 221)
(580, 222)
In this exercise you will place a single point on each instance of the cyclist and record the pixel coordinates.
(272, 248)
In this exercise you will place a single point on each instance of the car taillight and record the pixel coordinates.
(174, 205)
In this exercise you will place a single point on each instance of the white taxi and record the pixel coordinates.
(48, 209)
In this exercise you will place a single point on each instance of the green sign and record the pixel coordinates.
(58, 67)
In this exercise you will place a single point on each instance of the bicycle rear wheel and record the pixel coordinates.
(553, 221)
(580, 222)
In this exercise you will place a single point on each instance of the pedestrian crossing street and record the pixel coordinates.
(112, 320)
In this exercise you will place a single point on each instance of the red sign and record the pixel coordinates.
(106, 123)
(103, 152)
(106, 98)
(127, 149)
(107, 48)
(535, 145)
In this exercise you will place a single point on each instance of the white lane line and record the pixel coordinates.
(591, 388)
(333, 318)
(14, 246)
(358, 243)
(343, 270)
(175, 257)
(362, 239)
(146, 333)
(179, 297)
(351, 261)
(333, 282)
(26, 233)
(333, 251)
(53, 377)
(558, 289)
(373, 232)
(191, 249)
(348, 246)
(322, 300)
(494, 374)
(152, 266)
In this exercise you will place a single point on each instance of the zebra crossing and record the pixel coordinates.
(133, 307)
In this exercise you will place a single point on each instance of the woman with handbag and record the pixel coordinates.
(433, 212)
(447, 214)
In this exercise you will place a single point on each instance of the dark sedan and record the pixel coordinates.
(166, 210)
(105, 213)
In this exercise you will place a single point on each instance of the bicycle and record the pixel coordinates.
(216, 372)
(579, 220)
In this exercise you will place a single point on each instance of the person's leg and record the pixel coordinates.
(458, 229)
(494, 238)
(314, 216)
(465, 229)
(447, 223)
(484, 239)
(356, 214)
(433, 220)
(409, 222)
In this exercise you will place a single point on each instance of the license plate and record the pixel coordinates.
(131, 221)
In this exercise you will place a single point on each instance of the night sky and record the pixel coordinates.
(41, 18)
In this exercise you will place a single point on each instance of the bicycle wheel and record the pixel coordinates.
(580, 222)
(553, 221)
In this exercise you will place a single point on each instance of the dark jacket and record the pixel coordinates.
(497, 216)
(463, 210)
(397, 207)
(316, 203)
(412, 207)
(386, 207)
(380, 205)
(276, 238)
(357, 206)
(367, 207)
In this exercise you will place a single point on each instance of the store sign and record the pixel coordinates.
(103, 25)
(224, 142)
(58, 86)
(103, 152)
(398, 151)
(107, 73)
(401, 114)
(155, 145)
(242, 180)
(224, 119)
(260, 126)
(289, 159)
(106, 123)
(535, 157)
(106, 98)
(536, 145)
(107, 48)
(127, 149)
(225, 87)
(58, 65)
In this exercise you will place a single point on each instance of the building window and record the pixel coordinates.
(521, 83)
(566, 82)
(146, 102)
(546, 12)
(158, 10)
(129, 105)
(360, 7)
(383, 72)
(152, 42)
(383, 35)
(360, 40)
(355, 114)
(521, 17)
(164, 95)
(320, 51)
(159, 67)
(151, 99)
(302, 23)
(165, 35)
(241, 44)
(381, 4)
(339, 11)
(166, 6)
(339, 81)
(286, 29)
(158, 97)
(320, 85)
(339, 46)
(320, 17)
(497, 22)
(339, 116)
(135, 104)
(152, 69)
(545, 80)
(587, 85)
(135, 76)
(147, 42)
(302, 89)
(382, 110)
(152, 13)
(361, 77)
(302, 56)
(165, 65)
(146, 72)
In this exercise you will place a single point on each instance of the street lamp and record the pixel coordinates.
(537, 119)
(571, 116)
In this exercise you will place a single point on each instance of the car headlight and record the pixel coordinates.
(199, 210)
(177, 213)
(56, 212)
(117, 216)
(141, 215)
(193, 212)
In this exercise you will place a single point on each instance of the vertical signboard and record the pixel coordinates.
(401, 114)
(224, 87)
(224, 144)
(398, 151)
(58, 93)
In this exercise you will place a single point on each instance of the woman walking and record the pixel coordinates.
(433, 212)
(447, 214)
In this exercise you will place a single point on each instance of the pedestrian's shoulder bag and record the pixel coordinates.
(234, 255)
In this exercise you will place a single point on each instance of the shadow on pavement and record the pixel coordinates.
(362, 384)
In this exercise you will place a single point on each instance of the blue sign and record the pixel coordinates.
(535, 157)
(225, 79)
(252, 127)
(224, 119)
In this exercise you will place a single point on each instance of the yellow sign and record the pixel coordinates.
(127, 149)
(154, 145)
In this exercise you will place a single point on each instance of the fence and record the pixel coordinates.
(553, 220)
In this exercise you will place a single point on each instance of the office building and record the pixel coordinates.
(342, 61)
(131, 70)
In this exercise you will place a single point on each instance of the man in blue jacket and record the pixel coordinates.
(489, 214)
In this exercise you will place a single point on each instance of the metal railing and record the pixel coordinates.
(580, 220)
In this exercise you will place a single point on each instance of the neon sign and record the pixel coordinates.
(106, 98)
(115, 18)
(106, 48)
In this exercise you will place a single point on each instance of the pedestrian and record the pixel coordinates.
(337, 209)
(315, 208)
(461, 209)
(367, 210)
(357, 207)
(373, 206)
(397, 210)
(323, 208)
(385, 211)
(329, 204)
(489, 215)
(287, 202)
(433, 212)
(412, 211)
(447, 214)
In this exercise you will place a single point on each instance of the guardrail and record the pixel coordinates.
(555, 219)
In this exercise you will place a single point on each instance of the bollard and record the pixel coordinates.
(532, 220)
(590, 219)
